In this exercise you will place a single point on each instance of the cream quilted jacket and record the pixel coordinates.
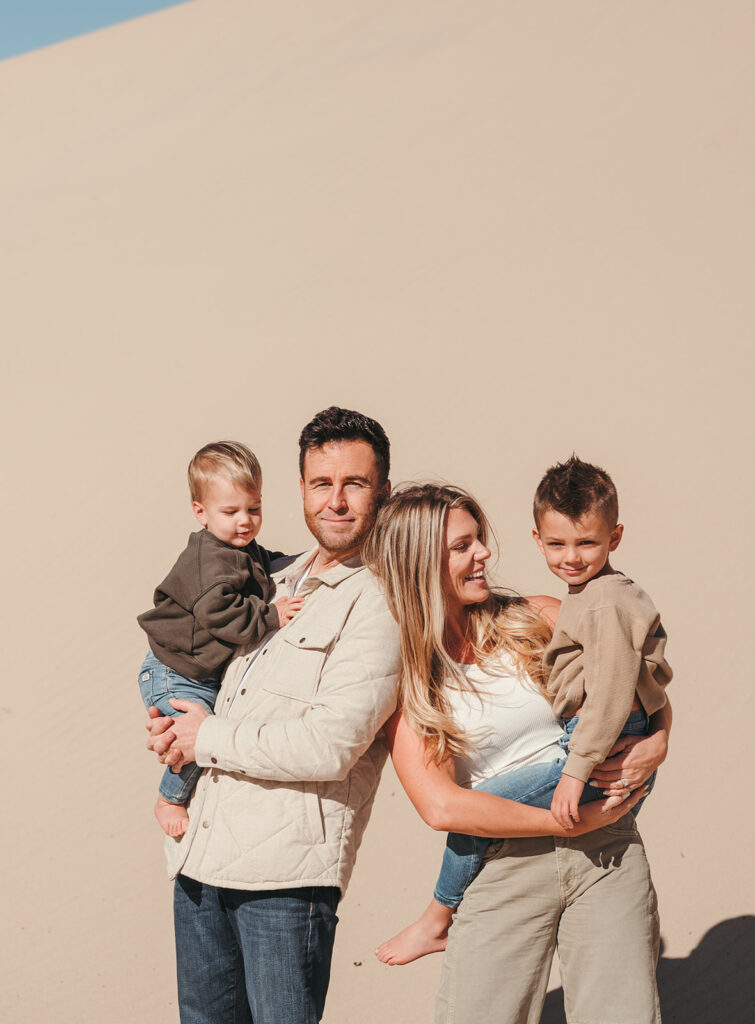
(294, 752)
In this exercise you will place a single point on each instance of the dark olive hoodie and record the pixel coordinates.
(213, 600)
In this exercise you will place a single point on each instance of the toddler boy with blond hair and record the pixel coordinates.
(214, 600)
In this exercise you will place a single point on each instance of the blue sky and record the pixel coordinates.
(29, 24)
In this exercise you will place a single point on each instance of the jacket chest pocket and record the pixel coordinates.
(300, 656)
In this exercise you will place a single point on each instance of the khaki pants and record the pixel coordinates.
(592, 898)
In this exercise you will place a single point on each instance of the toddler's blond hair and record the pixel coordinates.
(229, 459)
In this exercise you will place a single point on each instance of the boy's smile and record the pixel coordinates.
(576, 550)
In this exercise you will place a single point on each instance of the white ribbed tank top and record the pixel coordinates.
(509, 722)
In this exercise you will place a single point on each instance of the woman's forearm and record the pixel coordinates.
(452, 808)
(448, 807)
(455, 809)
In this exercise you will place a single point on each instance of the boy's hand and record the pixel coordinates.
(596, 815)
(565, 803)
(288, 607)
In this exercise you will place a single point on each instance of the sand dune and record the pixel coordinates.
(508, 231)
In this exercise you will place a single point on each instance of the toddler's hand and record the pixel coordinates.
(288, 607)
(565, 803)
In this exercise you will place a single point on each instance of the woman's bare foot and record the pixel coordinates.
(428, 934)
(172, 817)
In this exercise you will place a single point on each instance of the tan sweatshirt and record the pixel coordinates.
(607, 646)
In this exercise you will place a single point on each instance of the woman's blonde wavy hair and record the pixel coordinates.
(407, 550)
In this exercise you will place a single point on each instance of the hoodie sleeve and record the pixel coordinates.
(612, 641)
(232, 618)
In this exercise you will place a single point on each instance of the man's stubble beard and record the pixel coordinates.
(342, 542)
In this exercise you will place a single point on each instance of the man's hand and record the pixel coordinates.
(630, 762)
(174, 739)
(565, 803)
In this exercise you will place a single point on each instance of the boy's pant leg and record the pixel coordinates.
(279, 942)
(177, 787)
(158, 684)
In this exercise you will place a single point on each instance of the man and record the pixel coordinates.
(293, 759)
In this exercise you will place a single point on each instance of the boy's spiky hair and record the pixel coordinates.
(575, 488)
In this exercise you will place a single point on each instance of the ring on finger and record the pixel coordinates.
(624, 783)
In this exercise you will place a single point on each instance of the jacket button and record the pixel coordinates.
(205, 824)
(215, 778)
(214, 760)
(302, 640)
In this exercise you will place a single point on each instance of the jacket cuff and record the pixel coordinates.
(214, 742)
(579, 766)
(271, 618)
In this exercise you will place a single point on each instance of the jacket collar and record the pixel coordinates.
(331, 578)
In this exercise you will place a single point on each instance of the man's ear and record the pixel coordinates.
(199, 512)
(385, 490)
(616, 534)
(301, 485)
(536, 538)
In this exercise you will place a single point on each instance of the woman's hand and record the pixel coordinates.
(633, 759)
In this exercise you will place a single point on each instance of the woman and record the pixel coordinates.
(470, 667)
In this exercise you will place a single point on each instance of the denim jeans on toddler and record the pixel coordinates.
(533, 785)
(158, 684)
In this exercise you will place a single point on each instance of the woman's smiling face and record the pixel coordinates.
(464, 580)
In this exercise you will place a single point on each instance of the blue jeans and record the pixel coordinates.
(533, 785)
(158, 684)
(253, 957)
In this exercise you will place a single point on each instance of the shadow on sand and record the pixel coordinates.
(715, 984)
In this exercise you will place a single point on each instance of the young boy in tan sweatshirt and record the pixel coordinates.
(605, 667)
(605, 674)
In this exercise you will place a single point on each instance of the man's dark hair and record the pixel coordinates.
(575, 488)
(334, 424)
